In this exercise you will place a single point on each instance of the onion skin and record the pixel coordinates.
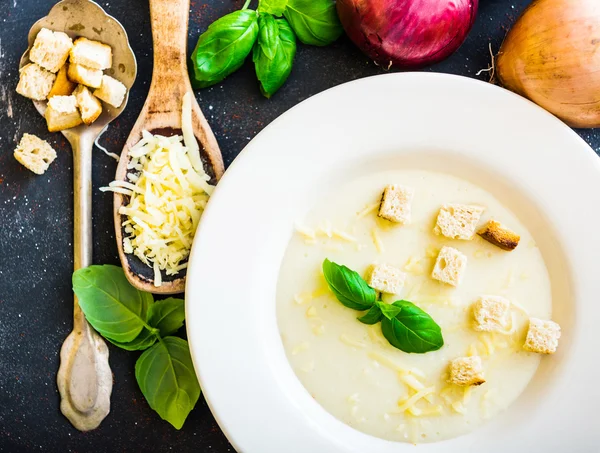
(552, 57)
(407, 34)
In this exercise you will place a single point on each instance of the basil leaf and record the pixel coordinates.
(111, 305)
(167, 379)
(275, 7)
(373, 316)
(389, 310)
(223, 47)
(315, 21)
(412, 329)
(143, 341)
(167, 315)
(274, 53)
(349, 287)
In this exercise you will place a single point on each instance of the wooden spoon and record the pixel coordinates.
(161, 114)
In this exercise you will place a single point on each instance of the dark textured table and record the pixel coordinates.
(36, 220)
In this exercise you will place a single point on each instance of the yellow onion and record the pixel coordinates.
(552, 56)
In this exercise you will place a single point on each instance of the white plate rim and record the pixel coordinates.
(245, 397)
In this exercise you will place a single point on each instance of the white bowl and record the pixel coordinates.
(532, 162)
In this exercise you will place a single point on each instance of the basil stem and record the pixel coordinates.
(274, 53)
(315, 21)
(223, 47)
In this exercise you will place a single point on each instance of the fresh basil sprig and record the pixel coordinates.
(223, 48)
(132, 320)
(349, 287)
(275, 7)
(315, 21)
(403, 324)
(274, 53)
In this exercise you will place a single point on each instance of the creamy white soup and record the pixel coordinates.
(350, 368)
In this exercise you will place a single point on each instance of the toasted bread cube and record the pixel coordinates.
(542, 336)
(449, 266)
(35, 82)
(89, 106)
(111, 91)
(387, 279)
(62, 113)
(85, 76)
(34, 153)
(499, 235)
(91, 54)
(51, 49)
(491, 313)
(466, 371)
(62, 85)
(458, 221)
(396, 203)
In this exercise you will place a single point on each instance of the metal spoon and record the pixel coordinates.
(84, 377)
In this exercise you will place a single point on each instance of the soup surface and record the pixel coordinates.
(350, 368)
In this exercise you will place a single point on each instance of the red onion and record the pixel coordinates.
(407, 33)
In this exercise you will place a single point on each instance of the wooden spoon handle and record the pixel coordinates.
(170, 81)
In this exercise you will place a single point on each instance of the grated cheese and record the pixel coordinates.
(167, 197)
(368, 210)
(412, 400)
(351, 342)
(377, 241)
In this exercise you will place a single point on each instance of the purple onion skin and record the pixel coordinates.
(407, 34)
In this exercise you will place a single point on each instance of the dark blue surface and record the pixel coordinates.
(36, 221)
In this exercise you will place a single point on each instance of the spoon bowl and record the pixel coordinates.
(84, 378)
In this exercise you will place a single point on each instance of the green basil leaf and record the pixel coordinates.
(143, 341)
(167, 315)
(412, 329)
(349, 287)
(275, 7)
(275, 38)
(389, 310)
(223, 47)
(111, 305)
(373, 316)
(315, 21)
(268, 36)
(167, 379)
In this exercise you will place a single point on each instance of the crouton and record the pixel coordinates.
(449, 266)
(386, 279)
(466, 371)
(396, 204)
(491, 313)
(89, 106)
(499, 235)
(85, 76)
(51, 49)
(91, 54)
(34, 153)
(542, 336)
(62, 85)
(111, 91)
(458, 221)
(62, 113)
(35, 82)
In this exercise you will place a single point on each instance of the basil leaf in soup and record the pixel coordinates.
(111, 305)
(388, 310)
(349, 287)
(223, 47)
(315, 22)
(412, 329)
(274, 53)
(167, 379)
(373, 316)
